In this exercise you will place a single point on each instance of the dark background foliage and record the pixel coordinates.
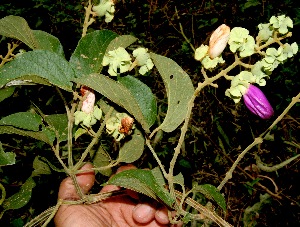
(219, 129)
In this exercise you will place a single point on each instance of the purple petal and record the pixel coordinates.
(257, 103)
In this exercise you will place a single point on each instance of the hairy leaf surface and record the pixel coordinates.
(39, 63)
(179, 89)
(119, 94)
(88, 55)
(144, 182)
(133, 149)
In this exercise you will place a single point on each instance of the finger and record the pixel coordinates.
(85, 180)
(143, 213)
(161, 216)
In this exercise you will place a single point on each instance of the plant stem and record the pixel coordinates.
(257, 141)
(279, 118)
(9, 56)
(207, 81)
(70, 114)
(157, 158)
(87, 20)
(228, 175)
(95, 139)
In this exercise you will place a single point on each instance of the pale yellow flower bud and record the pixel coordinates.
(218, 41)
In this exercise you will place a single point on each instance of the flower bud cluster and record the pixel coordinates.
(209, 55)
(241, 85)
(120, 126)
(255, 100)
(241, 41)
(89, 113)
(119, 61)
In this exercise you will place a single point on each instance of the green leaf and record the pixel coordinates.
(28, 80)
(88, 55)
(16, 27)
(43, 135)
(121, 41)
(40, 167)
(179, 89)
(133, 149)
(23, 120)
(102, 159)
(250, 3)
(159, 176)
(45, 41)
(211, 192)
(118, 94)
(41, 63)
(143, 181)
(250, 213)
(6, 158)
(59, 123)
(179, 179)
(143, 95)
(79, 132)
(21, 198)
(6, 92)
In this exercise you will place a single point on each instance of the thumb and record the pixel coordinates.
(86, 181)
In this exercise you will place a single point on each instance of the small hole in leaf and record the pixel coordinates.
(171, 77)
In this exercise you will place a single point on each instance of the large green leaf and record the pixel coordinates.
(39, 63)
(102, 159)
(88, 55)
(40, 167)
(143, 95)
(16, 27)
(179, 89)
(6, 158)
(45, 135)
(133, 149)
(211, 192)
(58, 123)
(21, 198)
(6, 92)
(143, 181)
(46, 41)
(23, 120)
(119, 94)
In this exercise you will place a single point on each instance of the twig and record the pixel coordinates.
(156, 158)
(87, 20)
(9, 56)
(257, 141)
(94, 141)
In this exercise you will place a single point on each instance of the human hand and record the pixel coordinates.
(120, 211)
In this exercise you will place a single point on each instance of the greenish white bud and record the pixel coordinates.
(105, 8)
(117, 59)
(142, 59)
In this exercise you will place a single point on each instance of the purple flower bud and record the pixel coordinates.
(257, 102)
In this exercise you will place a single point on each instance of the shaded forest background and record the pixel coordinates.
(219, 129)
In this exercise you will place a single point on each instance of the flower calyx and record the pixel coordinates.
(120, 126)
